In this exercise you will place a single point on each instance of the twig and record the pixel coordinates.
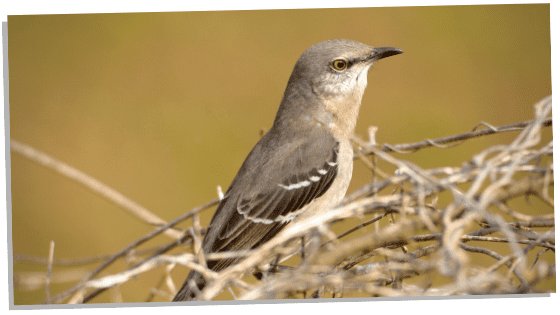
(91, 183)
(135, 244)
(49, 271)
(413, 147)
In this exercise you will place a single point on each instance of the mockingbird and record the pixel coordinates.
(304, 162)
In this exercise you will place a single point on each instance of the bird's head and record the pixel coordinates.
(327, 84)
(337, 69)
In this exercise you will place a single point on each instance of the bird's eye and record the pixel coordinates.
(339, 64)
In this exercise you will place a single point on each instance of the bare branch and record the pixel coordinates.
(433, 212)
(91, 183)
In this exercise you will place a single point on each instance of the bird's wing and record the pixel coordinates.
(275, 188)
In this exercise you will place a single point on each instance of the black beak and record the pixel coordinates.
(384, 52)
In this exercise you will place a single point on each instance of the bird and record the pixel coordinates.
(303, 164)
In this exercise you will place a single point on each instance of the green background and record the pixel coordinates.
(163, 107)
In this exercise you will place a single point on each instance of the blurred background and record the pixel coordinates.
(163, 107)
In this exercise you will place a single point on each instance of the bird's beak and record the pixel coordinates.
(383, 52)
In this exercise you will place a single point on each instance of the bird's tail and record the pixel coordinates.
(192, 285)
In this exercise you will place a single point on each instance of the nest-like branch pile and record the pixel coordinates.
(407, 244)
(478, 213)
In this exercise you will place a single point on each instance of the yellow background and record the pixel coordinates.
(164, 107)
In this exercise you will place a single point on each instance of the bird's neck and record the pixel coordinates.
(301, 108)
(344, 115)
(343, 106)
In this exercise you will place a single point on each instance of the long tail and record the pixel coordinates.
(188, 291)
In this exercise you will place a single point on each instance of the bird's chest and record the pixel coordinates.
(344, 175)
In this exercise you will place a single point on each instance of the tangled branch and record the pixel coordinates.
(373, 258)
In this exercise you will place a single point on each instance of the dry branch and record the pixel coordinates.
(372, 258)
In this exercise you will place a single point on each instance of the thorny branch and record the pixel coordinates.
(372, 258)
